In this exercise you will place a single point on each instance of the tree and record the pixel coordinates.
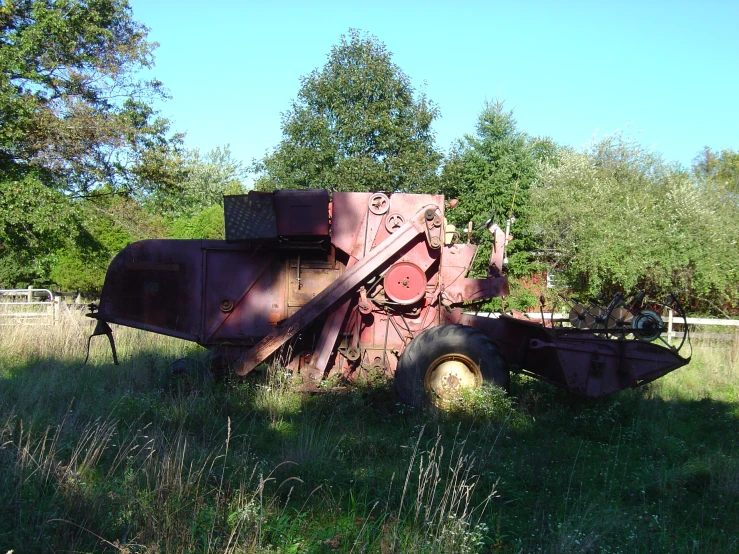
(205, 179)
(357, 124)
(104, 225)
(624, 220)
(195, 210)
(718, 170)
(108, 222)
(491, 172)
(206, 224)
(71, 106)
(75, 123)
(35, 221)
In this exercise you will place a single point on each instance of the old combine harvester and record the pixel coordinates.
(363, 282)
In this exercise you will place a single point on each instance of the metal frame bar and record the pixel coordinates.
(348, 282)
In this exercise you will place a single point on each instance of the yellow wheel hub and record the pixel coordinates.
(448, 375)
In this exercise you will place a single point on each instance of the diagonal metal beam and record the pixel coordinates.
(332, 294)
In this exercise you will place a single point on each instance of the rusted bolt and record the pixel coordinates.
(227, 305)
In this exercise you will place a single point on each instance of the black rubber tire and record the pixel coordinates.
(187, 376)
(446, 340)
(218, 366)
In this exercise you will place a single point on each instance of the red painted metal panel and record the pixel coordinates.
(578, 361)
(301, 212)
(349, 209)
(241, 293)
(156, 285)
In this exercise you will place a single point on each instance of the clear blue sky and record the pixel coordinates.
(667, 73)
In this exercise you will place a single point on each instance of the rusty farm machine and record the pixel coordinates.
(369, 282)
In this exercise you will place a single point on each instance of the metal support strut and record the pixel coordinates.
(101, 328)
(332, 294)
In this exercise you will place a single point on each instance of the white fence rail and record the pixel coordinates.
(670, 320)
(28, 307)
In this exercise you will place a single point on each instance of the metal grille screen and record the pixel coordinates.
(250, 216)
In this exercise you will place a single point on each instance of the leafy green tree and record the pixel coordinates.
(206, 224)
(104, 225)
(75, 123)
(491, 172)
(70, 102)
(107, 223)
(624, 220)
(35, 221)
(356, 125)
(718, 170)
(195, 210)
(205, 179)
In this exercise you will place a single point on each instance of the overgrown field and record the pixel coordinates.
(102, 459)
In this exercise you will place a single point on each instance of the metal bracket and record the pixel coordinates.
(101, 328)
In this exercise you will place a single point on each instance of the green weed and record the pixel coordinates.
(103, 459)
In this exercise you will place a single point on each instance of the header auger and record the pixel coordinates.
(362, 282)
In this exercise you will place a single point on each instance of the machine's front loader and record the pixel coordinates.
(356, 283)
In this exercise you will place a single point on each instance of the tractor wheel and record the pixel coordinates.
(187, 377)
(442, 360)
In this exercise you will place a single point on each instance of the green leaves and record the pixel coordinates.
(621, 217)
(719, 171)
(206, 224)
(75, 123)
(35, 221)
(203, 180)
(356, 125)
(104, 226)
(491, 172)
(70, 101)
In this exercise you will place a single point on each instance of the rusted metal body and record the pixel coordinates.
(580, 362)
(343, 285)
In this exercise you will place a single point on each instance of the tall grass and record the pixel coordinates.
(102, 458)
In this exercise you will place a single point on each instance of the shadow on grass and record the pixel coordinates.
(334, 472)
